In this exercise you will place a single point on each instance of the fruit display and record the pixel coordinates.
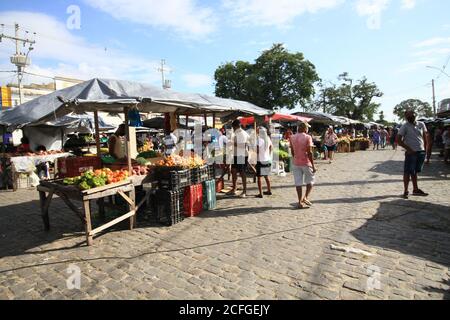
(140, 170)
(182, 162)
(147, 147)
(31, 154)
(97, 178)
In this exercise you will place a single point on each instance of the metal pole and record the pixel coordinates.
(97, 133)
(128, 144)
(19, 69)
(434, 99)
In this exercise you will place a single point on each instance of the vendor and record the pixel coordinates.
(116, 145)
(24, 146)
(170, 142)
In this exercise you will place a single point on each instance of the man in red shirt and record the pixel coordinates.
(303, 164)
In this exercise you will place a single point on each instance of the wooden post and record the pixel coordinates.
(97, 133)
(206, 120)
(132, 207)
(88, 225)
(128, 144)
(44, 211)
(214, 120)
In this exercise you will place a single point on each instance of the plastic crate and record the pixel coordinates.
(193, 200)
(209, 195)
(219, 185)
(167, 206)
(200, 174)
(75, 166)
(173, 180)
(23, 181)
(211, 172)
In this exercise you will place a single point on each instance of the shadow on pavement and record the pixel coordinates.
(414, 228)
(438, 170)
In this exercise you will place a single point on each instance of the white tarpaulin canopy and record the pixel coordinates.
(112, 96)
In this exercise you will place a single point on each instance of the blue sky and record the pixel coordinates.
(389, 41)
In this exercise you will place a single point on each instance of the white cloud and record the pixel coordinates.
(432, 52)
(408, 4)
(73, 56)
(195, 80)
(185, 17)
(433, 42)
(372, 9)
(279, 13)
(416, 65)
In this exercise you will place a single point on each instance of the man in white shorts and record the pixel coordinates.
(303, 164)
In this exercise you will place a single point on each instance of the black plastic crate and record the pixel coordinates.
(174, 180)
(200, 174)
(211, 172)
(168, 206)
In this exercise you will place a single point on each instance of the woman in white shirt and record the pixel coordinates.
(264, 163)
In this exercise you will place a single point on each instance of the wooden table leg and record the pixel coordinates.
(88, 225)
(44, 213)
(101, 208)
(132, 196)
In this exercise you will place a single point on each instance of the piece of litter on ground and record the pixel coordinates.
(352, 250)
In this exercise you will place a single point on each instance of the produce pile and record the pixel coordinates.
(181, 162)
(29, 154)
(97, 178)
(149, 154)
(140, 170)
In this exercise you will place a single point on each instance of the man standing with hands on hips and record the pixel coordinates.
(413, 137)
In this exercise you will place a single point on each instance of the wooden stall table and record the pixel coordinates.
(68, 193)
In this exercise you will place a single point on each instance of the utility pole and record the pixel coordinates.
(20, 60)
(166, 84)
(434, 98)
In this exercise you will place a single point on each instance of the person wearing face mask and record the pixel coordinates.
(412, 136)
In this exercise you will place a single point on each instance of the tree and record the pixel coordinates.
(422, 109)
(381, 120)
(278, 78)
(354, 101)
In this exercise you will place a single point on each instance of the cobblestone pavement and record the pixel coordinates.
(249, 248)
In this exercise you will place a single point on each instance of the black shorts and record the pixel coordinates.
(263, 169)
(240, 163)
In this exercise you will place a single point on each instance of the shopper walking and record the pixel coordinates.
(413, 137)
(376, 139)
(303, 164)
(330, 142)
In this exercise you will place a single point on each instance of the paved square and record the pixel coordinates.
(249, 248)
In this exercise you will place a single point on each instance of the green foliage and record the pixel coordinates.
(278, 78)
(351, 99)
(422, 109)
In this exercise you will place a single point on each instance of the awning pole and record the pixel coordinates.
(206, 120)
(128, 144)
(97, 133)
(214, 120)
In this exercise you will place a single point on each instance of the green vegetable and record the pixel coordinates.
(84, 185)
(69, 181)
(148, 154)
(141, 161)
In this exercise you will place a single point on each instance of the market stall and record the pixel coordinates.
(128, 97)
